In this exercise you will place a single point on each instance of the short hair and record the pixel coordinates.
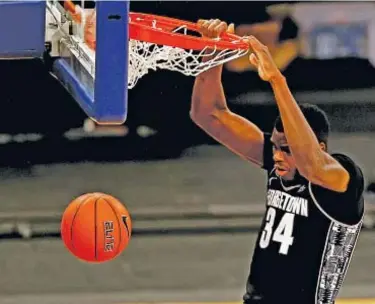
(316, 118)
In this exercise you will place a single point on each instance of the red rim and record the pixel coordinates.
(141, 28)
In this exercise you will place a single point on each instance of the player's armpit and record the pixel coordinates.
(329, 173)
(235, 132)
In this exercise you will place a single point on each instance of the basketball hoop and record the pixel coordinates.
(165, 43)
(157, 42)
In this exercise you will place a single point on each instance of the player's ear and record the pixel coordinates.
(323, 146)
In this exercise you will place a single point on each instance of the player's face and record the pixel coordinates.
(284, 162)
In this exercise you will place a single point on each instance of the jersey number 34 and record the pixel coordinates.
(282, 234)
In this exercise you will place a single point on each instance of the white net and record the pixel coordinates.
(144, 56)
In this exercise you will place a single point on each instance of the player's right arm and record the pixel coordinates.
(209, 108)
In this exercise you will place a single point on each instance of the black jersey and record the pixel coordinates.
(306, 239)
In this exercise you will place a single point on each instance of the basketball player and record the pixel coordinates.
(314, 205)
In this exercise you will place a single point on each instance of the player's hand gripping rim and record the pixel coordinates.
(260, 57)
(213, 29)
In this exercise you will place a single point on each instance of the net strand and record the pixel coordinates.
(145, 57)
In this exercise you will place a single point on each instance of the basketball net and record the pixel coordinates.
(145, 56)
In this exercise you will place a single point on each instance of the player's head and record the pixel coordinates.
(284, 161)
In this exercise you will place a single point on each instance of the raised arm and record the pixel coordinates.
(209, 108)
(311, 160)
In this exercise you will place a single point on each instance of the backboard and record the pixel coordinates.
(96, 78)
(99, 60)
(22, 30)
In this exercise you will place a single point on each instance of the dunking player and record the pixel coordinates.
(314, 204)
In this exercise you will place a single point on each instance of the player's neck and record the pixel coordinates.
(291, 180)
(288, 181)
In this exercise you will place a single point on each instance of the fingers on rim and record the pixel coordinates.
(213, 25)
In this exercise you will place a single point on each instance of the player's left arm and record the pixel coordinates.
(312, 162)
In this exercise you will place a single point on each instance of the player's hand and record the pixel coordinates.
(214, 28)
(262, 59)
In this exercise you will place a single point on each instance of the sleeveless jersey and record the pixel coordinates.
(306, 239)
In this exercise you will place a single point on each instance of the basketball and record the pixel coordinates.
(96, 227)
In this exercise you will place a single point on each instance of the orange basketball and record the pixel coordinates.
(96, 227)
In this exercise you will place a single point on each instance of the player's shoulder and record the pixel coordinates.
(349, 164)
(356, 181)
(351, 212)
(343, 158)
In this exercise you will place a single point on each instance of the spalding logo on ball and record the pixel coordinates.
(96, 227)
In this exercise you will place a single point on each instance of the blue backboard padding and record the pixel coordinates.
(80, 93)
(22, 28)
(111, 74)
